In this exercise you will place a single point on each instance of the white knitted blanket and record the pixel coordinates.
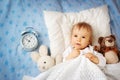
(77, 69)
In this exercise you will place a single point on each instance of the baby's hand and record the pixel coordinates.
(73, 54)
(92, 58)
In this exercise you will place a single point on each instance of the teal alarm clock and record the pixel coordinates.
(29, 39)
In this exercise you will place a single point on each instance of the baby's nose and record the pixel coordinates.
(78, 39)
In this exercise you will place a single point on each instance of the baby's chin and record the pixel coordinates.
(77, 48)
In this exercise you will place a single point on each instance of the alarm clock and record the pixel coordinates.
(29, 39)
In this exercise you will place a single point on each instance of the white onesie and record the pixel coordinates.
(102, 60)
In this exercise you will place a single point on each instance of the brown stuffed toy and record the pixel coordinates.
(108, 48)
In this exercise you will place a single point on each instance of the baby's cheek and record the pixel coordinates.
(73, 44)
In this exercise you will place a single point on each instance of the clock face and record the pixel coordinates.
(29, 41)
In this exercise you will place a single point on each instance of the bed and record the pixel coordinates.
(15, 16)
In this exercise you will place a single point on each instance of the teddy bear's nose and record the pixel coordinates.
(110, 40)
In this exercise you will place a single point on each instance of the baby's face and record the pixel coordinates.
(80, 38)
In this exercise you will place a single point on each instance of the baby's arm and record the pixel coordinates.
(97, 58)
(92, 58)
(102, 60)
(73, 54)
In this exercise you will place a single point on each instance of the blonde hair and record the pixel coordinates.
(83, 25)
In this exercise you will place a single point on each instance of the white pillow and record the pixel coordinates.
(59, 26)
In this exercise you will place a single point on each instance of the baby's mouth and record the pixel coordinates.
(78, 44)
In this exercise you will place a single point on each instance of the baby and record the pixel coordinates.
(81, 40)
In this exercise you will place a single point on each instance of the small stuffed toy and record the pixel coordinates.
(108, 48)
(43, 60)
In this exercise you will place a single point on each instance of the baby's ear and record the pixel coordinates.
(90, 42)
(43, 50)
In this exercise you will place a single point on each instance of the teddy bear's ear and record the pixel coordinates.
(100, 39)
(35, 56)
(113, 37)
(43, 50)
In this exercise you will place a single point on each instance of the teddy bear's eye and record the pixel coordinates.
(45, 62)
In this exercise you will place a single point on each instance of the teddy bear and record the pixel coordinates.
(107, 46)
(43, 60)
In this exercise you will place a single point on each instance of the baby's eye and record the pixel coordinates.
(75, 35)
(83, 36)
